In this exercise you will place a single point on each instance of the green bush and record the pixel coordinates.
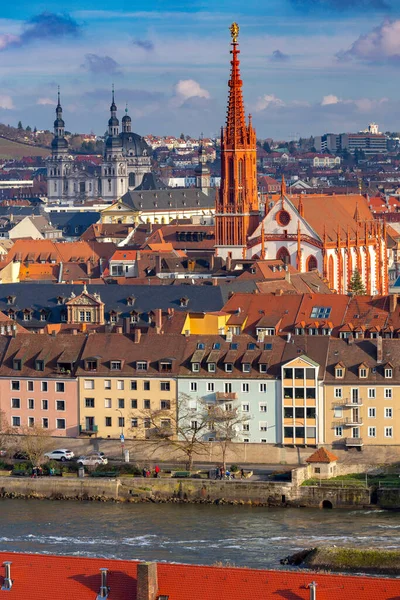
(234, 468)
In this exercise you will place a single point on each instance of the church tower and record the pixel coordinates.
(114, 178)
(236, 214)
(202, 172)
(59, 164)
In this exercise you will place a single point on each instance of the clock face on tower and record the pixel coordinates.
(283, 218)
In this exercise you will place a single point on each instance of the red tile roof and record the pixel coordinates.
(322, 455)
(45, 577)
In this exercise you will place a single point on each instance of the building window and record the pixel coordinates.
(60, 423)
(211, 367)
(263, 368)
(263, 426)
(120, 384)
(245, 427)
(115, 365)
(15, 385)
(338, 392)
(362, 373)
(89, 402)
(44, 386)
(195, 367)
(45, 423)
(146, 386)
(141, 365)
(193, 386)
(388, 432)
(263, 408)
(321, 312)
(246, 367)
(165, 405)
(60, 387)
(89, 384)
(31, 404)
(210, 386)
(228, 367)
(371, 412)
(165, 386)
(245, 387)
(388, 373)
(371, 431)
(339, 373)
(134, 423)
(228, 388)
(388, 413)
(45, 405)
(372, 393)
(146, 404)
(107, 403)
(388, 392)
(338, 412)
(245, 407)
(108, 421)
(121, 421)
(121, 403)
(60, 404)
(31, 421)
(16, 421)
(338, 431)
(29, 386)
(107, 384)
(246, 440)
(146, 423)
(15, 403)
(134, 385)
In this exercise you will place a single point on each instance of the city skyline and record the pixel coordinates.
(306, 69)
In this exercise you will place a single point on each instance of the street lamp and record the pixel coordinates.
(121, 437)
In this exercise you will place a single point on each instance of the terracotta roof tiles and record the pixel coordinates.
(322, 455)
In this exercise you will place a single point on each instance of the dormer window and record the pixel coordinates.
(11, 314)
(141, 365)
(195, 367)
(388, 373)
(184, 301)
(165, 366)
(39, 365)
(17, 364)
(115, 365)
(134, 317)
(130, 300)
(263, 368)
(212, 367)
(362, 372)
(246, 367)
(91, 364)
(10, 299)
(228, 367)
(27, 315)
(60, 300)
(339, 373)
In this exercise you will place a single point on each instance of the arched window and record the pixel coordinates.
(132, 180)
(283, 255)
(312, 263)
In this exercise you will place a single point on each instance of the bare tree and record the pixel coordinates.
(6, 441)
(183, 429)
(226, 421)
(34, 442)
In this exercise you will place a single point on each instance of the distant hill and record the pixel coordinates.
(11, 149)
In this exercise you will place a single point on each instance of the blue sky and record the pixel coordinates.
(308, 66)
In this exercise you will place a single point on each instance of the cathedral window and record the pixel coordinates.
(283, 218)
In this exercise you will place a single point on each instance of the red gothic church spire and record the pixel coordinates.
(237, 203)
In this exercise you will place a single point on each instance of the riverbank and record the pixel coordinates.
(138, 489)
(371, 561)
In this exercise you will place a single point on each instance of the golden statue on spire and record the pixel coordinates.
(234, 29)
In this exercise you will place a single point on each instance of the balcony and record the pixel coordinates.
(348, 422)
(83, 430)
(222, 396)
(354, 442)
(348, 402)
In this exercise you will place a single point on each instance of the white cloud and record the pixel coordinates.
(381, 43)
(189, 88)
(330, 99)
(6, 39)
(6, 102)
(46, 102)
(268, 100)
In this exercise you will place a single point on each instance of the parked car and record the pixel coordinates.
(94, 459)
(60, 454)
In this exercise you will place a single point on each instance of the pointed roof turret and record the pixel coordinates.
(59, 142)
(235, 118)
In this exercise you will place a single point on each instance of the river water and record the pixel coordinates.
(203, 534)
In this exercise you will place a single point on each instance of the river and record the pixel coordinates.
(204, 534)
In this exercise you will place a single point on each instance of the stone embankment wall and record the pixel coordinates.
(189, 490)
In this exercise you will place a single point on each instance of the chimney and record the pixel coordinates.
(103, 593)
(392, 302)
(74, 332)
(127, 325)
(158, 319)
(214, 281)
(379, 349)
(350, 339)
(147, 584)
(53, 333)
(88, 268)
(313, 590)
(136, 336)
(158, 263)
(8, 582)
(228, 262)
